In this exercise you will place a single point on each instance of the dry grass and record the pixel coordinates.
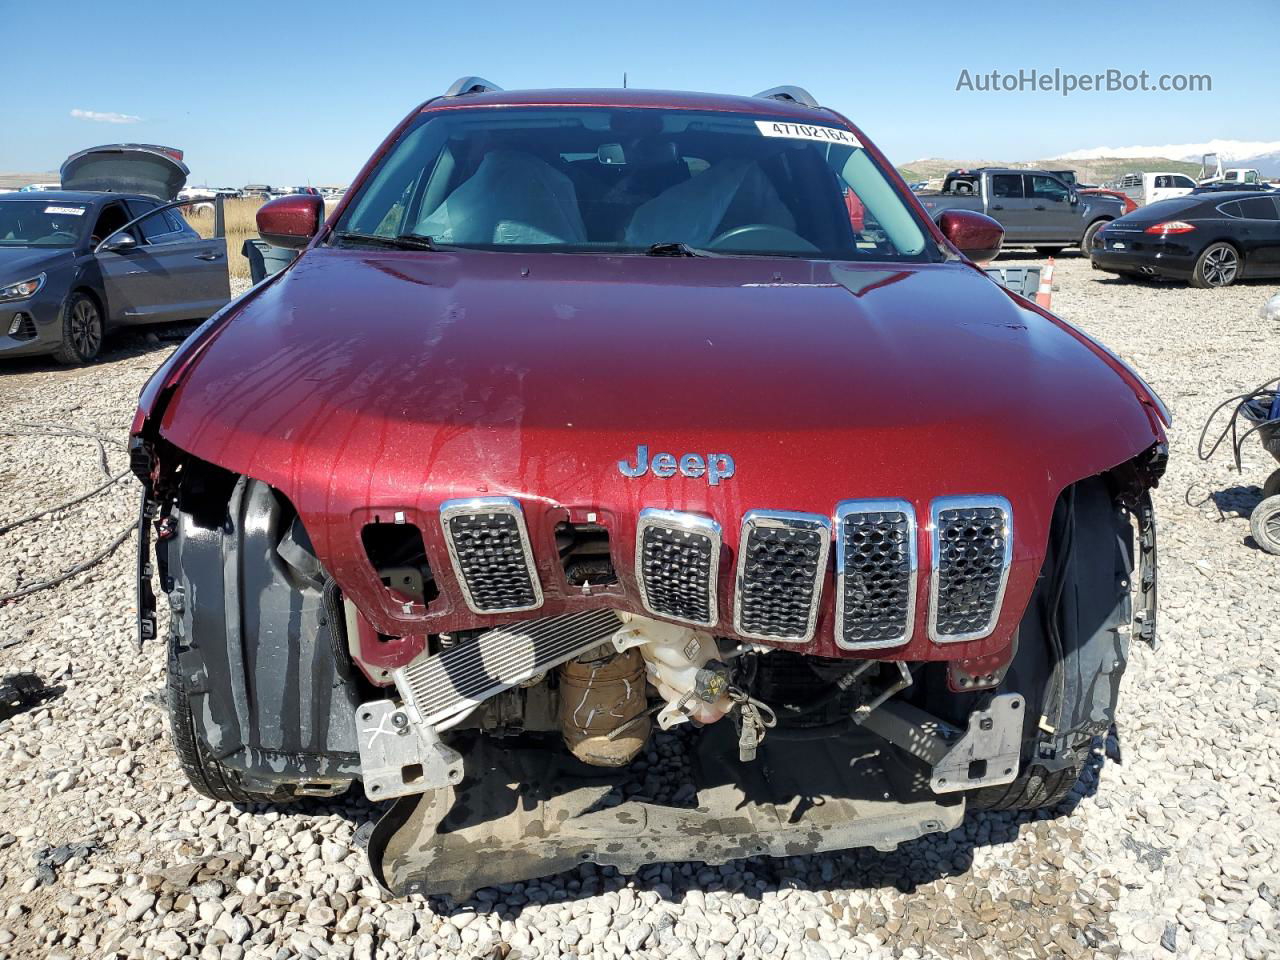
(241, 224)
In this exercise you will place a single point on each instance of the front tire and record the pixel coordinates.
(1086, 242)
(81, 330)
(211, 778)
(1034, 789)
(1217, 266)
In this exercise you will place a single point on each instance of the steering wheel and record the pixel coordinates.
(761, 236)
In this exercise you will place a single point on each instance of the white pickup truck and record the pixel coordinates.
(1144, 188)
(1212, 173)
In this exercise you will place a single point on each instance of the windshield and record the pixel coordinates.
(622, 180)
(40, 223)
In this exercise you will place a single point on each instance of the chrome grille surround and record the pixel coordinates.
(966, 591)
(782, 563)
(876, 572)
(678, 565)
(489, 548)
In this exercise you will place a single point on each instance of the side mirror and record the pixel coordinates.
(291, 221)
(1073, 197)
(976, 235)
(118, 243)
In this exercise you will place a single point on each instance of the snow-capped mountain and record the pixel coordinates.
(1236, 153)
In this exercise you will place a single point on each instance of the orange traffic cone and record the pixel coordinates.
(1044, 295)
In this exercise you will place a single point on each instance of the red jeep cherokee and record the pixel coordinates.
(594, 411)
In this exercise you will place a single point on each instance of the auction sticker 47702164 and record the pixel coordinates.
(806, 131)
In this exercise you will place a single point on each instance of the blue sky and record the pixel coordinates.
(293, 93)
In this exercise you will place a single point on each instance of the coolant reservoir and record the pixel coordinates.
(673, 655)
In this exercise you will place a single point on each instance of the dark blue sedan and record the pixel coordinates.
(104, 252)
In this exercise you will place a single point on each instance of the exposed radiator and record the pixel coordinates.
(443, 684)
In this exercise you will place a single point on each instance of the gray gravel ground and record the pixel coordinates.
(1167, 848)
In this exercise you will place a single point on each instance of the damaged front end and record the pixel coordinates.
(517, 750)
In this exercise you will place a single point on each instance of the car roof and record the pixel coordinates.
(630, 97)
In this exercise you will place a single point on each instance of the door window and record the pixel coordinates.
(156, 228)
(1006, 186)
(112, 218)
(1046, 188)
(1257, 208)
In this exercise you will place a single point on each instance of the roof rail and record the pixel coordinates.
(464, 85)
(791, 94)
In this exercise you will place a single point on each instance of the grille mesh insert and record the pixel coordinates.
(779, 577)
(491, 559)
(877, 578)
(971, 559)
(676, 567)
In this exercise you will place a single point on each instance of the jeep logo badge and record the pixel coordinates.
(714, 466)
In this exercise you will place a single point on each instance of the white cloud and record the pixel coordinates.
(98, 117)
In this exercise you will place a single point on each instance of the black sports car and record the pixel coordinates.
(1210, 239)
(103, 251)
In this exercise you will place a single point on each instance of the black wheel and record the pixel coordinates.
(1086, 242)
(207, 775)
(1264, 523)
(1272, 487)
(1218, 266)
(1035, 789)
(81, 330)
(1048, 251)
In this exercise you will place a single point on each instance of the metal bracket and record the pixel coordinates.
(986, 754)
(1145, 620)
(399, 757)
(146, 595)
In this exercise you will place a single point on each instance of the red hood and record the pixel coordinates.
(366, 381)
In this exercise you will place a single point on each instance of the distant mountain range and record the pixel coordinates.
(1263, 154)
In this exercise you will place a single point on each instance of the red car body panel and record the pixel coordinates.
(477, 378)
(363, 383)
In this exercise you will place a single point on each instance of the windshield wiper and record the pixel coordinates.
(403, 241)
(675, 248)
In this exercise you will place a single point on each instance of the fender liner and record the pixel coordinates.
(255, 648)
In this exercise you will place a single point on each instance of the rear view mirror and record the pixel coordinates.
(976, 235)
(291, 221)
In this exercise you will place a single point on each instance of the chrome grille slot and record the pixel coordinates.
(782, 560)
(489, 548)
(972, 541)
(875, 573)
(677, 565)
(443, 684)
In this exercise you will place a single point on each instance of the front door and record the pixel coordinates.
(186, 276)
(1053, 216)
(1261, 234)
(125, 280)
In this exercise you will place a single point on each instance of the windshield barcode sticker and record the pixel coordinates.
(804, 131)
(66, 211)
